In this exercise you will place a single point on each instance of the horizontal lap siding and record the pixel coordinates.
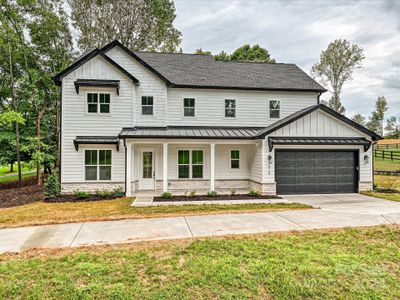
(251, 106)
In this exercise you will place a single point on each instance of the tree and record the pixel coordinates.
(222, 56)
(252, 54)
(336, 66)
(393, 127)
(359, 119)
(375, 122)
(202, 52)
(138, 24)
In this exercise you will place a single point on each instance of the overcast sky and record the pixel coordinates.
(297, 32)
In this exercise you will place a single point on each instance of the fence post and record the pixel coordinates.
(391, 155)
(383, 154)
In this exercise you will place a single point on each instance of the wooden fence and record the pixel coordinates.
(386, 146)
(387, 154)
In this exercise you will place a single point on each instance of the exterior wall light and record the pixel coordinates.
(366, 158)
(270, 158)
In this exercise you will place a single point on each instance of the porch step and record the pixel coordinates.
(143, 200)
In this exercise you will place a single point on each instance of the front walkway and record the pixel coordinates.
(335, 211)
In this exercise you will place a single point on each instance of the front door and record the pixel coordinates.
(147, 175)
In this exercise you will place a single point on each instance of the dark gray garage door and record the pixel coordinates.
(299, 172)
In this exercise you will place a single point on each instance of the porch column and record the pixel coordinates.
(212, 165)
(165, 167)
(128, 183)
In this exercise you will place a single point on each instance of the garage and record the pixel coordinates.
(316, 171)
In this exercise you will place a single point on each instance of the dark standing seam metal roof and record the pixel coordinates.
(318, 141)
(86, 140)
(191, 132)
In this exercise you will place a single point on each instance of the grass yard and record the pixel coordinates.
(5, 170)
(386, 165)
(15, 177)
(340, 264)
(386, 182)
(51, 213)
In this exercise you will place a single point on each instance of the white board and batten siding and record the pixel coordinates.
(319, 124)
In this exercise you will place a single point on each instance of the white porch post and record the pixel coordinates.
(128, 190)
(165, 167)
(212, 165)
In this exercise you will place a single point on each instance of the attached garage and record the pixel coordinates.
(316, 171)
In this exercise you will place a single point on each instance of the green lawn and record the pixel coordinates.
(386, 182)
(5, 170)
(15, 177)
(386, 165)
(342, 264)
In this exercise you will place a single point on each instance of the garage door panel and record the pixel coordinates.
(316, 171)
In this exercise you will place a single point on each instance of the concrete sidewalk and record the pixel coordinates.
(335, 211)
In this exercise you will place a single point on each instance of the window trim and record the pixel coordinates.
(97, 165)
(141, 106)
(238, 159)
(98, 113)
(224, 109)
(269, 109)
(190, 163)
(183, 107)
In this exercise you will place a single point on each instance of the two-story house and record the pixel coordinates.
(154, 122)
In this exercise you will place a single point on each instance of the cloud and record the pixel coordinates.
(297, 32)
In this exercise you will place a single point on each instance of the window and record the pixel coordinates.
(188, 107)
(147, 105)
(274, 109)
(230, 108)
(190, 164)
(97, 164)
(96, 106)
(235, 159)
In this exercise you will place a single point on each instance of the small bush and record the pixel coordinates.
(191, 194)
(166, 195)
(212, 194)
(52, 187)
(118, 189)
(81, 194)
(254, 193)
(233, 192)
(104, 194)
(387, 184)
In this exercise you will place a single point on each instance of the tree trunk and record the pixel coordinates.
(15, 106)
(58, 130)
(39, 138)
(12, 167)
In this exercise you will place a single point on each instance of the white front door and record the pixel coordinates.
(147, 172)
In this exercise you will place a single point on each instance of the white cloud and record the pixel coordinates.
(297, 31)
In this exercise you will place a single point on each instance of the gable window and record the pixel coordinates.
(97, 164)
(274, 109)
(235, 159)
(230, 108)
(147, 105)
(188, 107)
(98, 103)
(190, 164)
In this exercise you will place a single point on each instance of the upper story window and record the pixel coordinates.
(147, 105)
(190, 164)
(235, 159)
(230, 108)
(274, 109)
(98, 103)
(188, 107)
(97, 164)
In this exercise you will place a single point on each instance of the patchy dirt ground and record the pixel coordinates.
(11, 195)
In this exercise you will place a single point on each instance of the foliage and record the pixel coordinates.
(252, 53)
(393, 127)
(166, 195)
(140, 25)
(254, 193)
(52, 187)
(9, 118)
(202, 52)
(233, 192)
(118, 189)
(104, 194)
(335, 68)
(359, 119)
(191, 194)
(81, 194)
(222, 56)
(375, 122)
(212, 194)
(388, 183)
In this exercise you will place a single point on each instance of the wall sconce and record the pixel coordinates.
(366, 158)
(270, 158)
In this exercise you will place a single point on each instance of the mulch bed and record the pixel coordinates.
(26, 181)
(20, 196)
(219, 197)
(72, 198)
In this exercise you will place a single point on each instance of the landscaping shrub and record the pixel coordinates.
(166, 195)
(254, 193)
(212, 194)
(233, 192)
(52, 187)
(118, 189)
(388, 184)
(81, 194)
(104, 194)
(191, 194)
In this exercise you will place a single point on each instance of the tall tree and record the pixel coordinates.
(138, 24)
(393, 127)
(203, 52)
(252, 53)
(375, 122)
(359, 119)
(336, 66)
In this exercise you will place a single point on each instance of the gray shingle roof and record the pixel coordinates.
(191, 70)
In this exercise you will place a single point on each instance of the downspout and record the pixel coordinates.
(126, 165)
(318, 98)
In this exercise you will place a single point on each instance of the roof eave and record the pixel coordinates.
(246, 88)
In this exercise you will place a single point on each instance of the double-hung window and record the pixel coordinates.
(235, 159)
(97, 164)
(147, 105)
(98, 103)
(274, 109)
(230, 108)
(190, 163)
(188, 107)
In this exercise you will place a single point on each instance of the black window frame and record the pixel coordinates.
(274, 113)
(191, 109)
(149, 107)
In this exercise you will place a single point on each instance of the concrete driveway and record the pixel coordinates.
(347, 210)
